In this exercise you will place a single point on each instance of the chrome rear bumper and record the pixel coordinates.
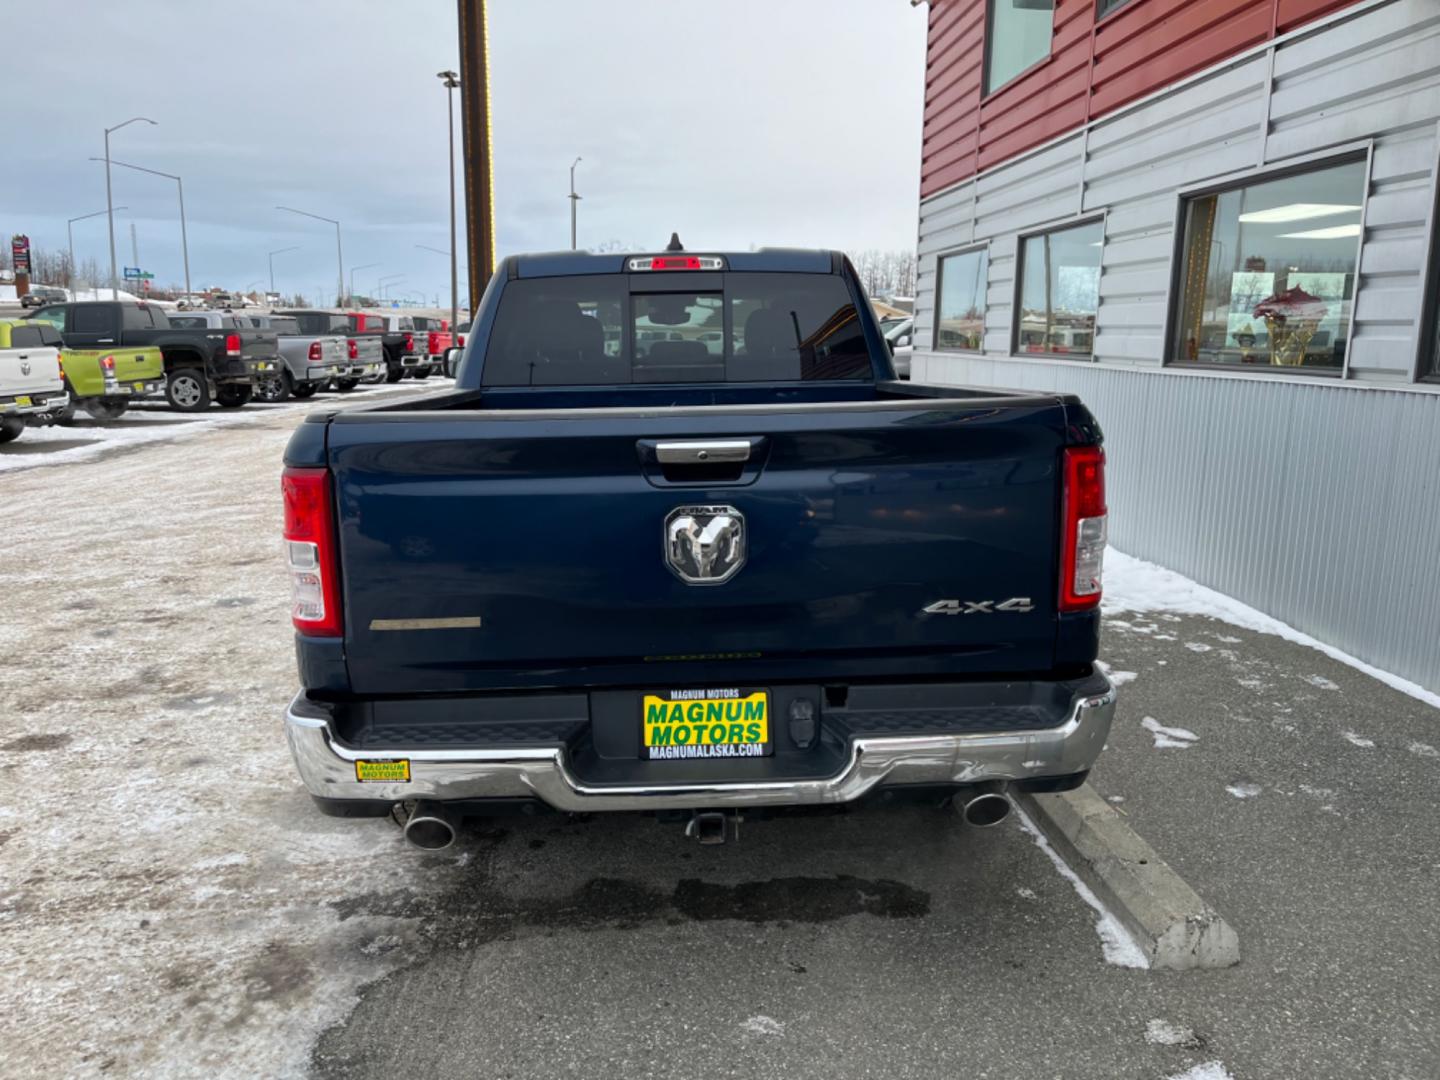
(327, 767)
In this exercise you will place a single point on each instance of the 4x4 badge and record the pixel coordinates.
(1018, 604)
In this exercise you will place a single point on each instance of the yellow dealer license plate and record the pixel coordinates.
(726, 723)
(383, 772)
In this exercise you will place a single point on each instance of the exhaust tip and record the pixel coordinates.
(431, 826)
(987, 805)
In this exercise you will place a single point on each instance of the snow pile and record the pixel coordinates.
(1135, 585)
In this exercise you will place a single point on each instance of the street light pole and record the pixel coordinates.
(109, 202)
(339, 254)
(272, 255)
(452, 80)
(362, 266)
(180, 189)
(70, 236)
(574, 201)
(382, 283)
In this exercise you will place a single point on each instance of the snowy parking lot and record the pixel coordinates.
(171, 904)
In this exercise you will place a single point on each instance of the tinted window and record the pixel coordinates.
(92, 319)
(24, 337)
(188, 322)
(1060, 291)
(1269, 271)
(1017, 37)
(283, 325)
(590, 330)
(55, 316)
(960, 312)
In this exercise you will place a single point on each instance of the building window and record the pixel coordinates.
(1267, 277)
(1017, 36)
(960, 312)
(1105, 7)
(1060, 291)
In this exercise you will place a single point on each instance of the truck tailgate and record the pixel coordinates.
(481, 550)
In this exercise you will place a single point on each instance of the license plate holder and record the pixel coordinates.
(706, 724)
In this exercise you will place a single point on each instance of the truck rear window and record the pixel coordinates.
(597, 330)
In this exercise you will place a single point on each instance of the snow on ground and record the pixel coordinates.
(165, 889)
(1133, 585)
(1168, 737)
(1116, 945)
(151, 420)
(1209, 1070)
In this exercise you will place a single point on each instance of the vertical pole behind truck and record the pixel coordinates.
(475, 126)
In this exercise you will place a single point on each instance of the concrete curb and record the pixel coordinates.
(1173, 926)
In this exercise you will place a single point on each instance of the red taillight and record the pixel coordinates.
(432, 343)
(310, 552)
(354, 352)
(1083, 524)
(316, 353)
(232, 344)
(409, 343)
(108, 363)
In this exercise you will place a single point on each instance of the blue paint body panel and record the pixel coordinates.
(537, 512)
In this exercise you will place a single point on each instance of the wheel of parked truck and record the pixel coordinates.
(187, 390)
(422, 373)
(346, 385)
(277, 389)
(305, 390)
(66, 416)
(105, 408)
(11, 427)
(233, 395)
(394, 374)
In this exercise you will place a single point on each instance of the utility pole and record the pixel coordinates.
(134, 248)
(574, 201)
(475, 126)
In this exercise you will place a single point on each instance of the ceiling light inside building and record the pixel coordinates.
(1299, 211)
(1334, 232)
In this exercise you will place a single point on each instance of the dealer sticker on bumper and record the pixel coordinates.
(383, 772)
(727, 723)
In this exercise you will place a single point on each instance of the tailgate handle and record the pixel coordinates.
(697, 451)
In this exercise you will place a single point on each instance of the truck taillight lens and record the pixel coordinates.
(432, 343)
(107, 363)
(232, 344)
(409, 343)
(1083, 521)
(315, 351)
(310, 552)
(354, 350)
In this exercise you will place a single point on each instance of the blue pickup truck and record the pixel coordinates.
(679, 542)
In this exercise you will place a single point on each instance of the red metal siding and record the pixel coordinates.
(1092, 68)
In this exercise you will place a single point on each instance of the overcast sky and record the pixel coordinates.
(740, 122)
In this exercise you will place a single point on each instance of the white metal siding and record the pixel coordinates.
(1314, 501)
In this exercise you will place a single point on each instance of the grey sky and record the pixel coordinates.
(736, 122)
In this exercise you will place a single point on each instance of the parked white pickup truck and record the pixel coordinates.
(30, 379)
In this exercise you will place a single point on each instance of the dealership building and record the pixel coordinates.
(1215, 221)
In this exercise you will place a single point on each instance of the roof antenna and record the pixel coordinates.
(675, 244)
